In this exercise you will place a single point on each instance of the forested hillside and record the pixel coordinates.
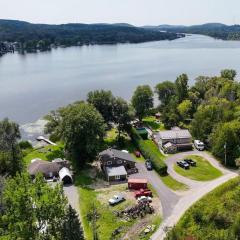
(216, 30)
(33, 35)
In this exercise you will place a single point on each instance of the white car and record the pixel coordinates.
(116, 199)
(144, 199)
(199, 145)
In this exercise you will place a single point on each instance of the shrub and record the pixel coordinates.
(157, 162)
(25, 145)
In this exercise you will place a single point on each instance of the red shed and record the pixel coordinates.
(137, 184)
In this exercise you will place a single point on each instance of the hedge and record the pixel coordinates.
(148, 153)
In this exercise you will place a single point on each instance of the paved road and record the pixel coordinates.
(72, 194)
(168, 198)
(197, 190)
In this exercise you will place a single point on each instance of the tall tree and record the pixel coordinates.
(72, 229)
(228, 74)
(164, 91)
(142, 100)
(10, 153)
(103, 101)
(81, 127)
(182, 87)
(185, 109)
(225, 142)
(32, 210)
(123, 114)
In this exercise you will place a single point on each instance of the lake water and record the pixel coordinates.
(33, 84)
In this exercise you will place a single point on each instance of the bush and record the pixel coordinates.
(148, 153)
(25, 145)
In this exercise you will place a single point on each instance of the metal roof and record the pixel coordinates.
(174, 134)
(116, 171)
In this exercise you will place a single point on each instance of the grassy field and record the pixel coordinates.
(97, 197)
(151, 122)
(204, 171)
(47, 153)
(214, 217)
(173, 184)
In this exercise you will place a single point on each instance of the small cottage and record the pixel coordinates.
(116, 174)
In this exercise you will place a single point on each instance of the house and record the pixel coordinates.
(112, 160)
(116, 174)
(137, 184)
(48, 169)
(180, 139)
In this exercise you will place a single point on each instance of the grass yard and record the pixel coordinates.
(214, 217)
(173, 184)
(111, 140)
(47, 153)
(151, 123)
(92, 194)
(204, 171)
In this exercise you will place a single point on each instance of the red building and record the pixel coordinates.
(136, 184)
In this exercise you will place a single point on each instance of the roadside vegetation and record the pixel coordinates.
(214, 217)
(204, 171)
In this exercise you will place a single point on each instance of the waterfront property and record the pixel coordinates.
(113, 160)
(174, 140)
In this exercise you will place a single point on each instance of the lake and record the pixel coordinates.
(33, 84)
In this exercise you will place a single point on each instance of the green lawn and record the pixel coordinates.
(47, 153)
(204, 171)
(111, 140)
(214, 217)
(151, 122)
(173, 184)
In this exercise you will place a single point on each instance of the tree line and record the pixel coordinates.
(42, 36)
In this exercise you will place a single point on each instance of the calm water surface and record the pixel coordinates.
(33, 84)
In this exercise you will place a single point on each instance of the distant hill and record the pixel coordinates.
(216, 30)
(32, 35)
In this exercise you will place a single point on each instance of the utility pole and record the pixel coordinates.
(225, 149)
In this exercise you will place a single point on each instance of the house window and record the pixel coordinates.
(109, 162)
(119, 161)
(50, 174)
(117, 177)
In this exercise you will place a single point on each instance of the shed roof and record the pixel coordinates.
(137, 180)
(116, 171)
(112, 153)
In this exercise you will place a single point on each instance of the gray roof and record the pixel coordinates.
(174, 134)
(114, 153)
(44, 167)
(116, 171)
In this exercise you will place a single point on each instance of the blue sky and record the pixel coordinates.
(138, 12)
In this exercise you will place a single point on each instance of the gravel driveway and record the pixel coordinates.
(72, 194)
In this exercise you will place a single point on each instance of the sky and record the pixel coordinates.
(137, 12)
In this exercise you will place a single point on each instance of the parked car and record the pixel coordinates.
(137, 154)
(148, 165)
(199, 145)
(183, 164)
(143, 192)
(144, 199)
(190, 162)
(116, 199)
